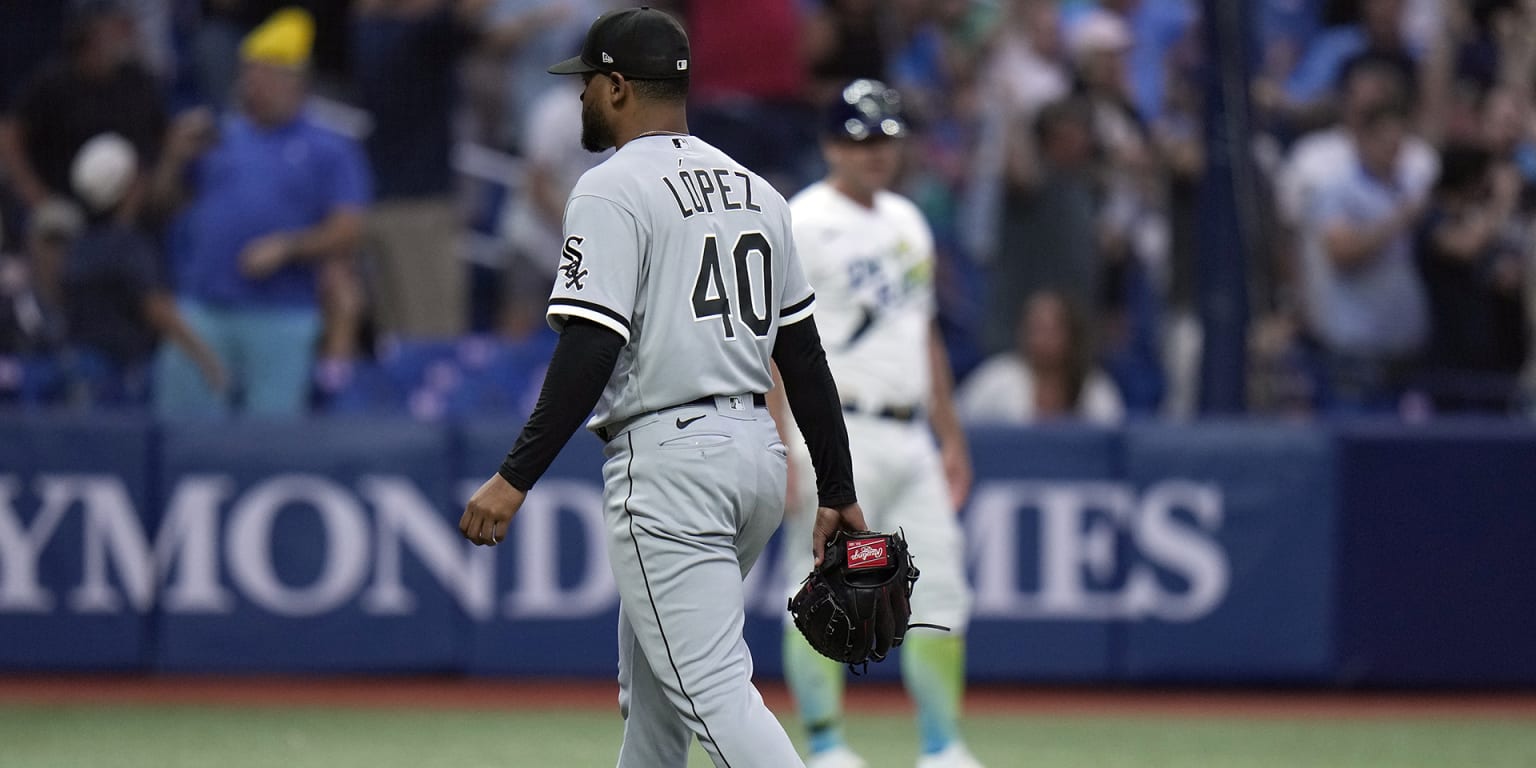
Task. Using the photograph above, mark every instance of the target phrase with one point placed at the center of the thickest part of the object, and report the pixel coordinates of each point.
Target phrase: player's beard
(596, 133)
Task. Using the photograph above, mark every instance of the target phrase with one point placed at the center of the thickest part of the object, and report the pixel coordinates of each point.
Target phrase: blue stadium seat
(443, 379)
(501, 379)
(363, 388)
(31, 381)
(407, 361)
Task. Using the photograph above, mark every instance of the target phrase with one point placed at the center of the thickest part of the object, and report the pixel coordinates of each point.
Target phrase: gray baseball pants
(692, 495)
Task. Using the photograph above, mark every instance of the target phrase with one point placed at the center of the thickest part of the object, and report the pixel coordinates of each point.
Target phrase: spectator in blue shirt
(1378, 34)
(1284, 30)
(1285, 27)
(267, 197)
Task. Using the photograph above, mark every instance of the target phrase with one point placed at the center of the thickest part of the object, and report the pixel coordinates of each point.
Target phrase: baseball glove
(856, 605)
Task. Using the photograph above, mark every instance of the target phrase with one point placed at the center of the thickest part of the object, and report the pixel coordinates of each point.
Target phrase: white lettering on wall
(408, 520)
(249, 544)
(22, 545)
(538, 549)
(1039, 550)
(1089, 533)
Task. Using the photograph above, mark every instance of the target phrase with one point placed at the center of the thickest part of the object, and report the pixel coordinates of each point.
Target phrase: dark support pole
(1228, 220)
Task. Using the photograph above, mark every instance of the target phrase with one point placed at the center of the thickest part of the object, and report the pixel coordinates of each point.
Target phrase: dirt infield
(462, 693)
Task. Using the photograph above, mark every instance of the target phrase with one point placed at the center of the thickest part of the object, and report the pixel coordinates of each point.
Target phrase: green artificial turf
(231, 737)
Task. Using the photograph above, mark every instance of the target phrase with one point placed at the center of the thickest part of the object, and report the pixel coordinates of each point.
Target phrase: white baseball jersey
(690, 257)
(873, 271)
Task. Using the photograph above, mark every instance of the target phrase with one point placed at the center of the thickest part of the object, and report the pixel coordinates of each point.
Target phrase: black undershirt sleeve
(578, 372)
(812, 396)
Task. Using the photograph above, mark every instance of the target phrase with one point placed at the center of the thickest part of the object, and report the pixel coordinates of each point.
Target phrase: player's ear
(620, 89)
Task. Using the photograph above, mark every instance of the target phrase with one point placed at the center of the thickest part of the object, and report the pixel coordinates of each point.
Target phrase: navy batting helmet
(865, 109)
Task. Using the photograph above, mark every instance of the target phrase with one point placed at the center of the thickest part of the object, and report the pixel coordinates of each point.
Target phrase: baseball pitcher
(677, 283)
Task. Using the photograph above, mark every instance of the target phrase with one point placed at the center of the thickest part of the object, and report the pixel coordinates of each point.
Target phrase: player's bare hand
(490, 511)
(829, 521)
(957, 471)
(265, 255)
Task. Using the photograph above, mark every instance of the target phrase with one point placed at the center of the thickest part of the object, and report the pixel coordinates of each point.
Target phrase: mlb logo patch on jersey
(866, 554)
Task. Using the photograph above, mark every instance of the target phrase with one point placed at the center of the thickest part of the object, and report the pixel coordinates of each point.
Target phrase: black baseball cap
(641, 43)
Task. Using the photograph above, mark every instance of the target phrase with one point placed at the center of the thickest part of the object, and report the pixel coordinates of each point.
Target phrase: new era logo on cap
(606, 58)
(682, 65)
(866, 554)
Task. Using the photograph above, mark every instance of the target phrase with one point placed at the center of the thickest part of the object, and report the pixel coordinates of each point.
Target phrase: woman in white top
(1048, 376)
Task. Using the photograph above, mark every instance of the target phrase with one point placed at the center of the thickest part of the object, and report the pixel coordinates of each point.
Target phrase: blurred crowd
(281, 206)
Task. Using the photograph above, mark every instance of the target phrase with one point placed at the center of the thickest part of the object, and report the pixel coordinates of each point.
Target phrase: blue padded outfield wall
(1218, 553)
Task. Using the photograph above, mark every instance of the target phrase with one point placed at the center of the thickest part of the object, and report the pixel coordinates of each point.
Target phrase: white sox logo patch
(866, 554)
(571, 268)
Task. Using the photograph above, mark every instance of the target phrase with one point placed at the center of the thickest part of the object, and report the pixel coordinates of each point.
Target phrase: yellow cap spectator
(284, 39)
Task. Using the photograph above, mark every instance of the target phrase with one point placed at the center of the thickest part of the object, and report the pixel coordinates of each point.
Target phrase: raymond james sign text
(1103, 550)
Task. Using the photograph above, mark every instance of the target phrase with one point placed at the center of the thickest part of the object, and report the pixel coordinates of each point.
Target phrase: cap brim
(572, 66)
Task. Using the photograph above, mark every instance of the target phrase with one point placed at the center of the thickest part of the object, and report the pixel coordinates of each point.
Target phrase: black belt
(906, 413)
(759, 400)
(609, 432)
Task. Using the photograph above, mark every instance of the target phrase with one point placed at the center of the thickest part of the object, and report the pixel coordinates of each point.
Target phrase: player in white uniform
(678, 281)
(868, 253)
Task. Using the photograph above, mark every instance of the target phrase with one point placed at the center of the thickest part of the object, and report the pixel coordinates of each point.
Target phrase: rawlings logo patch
(866, 553)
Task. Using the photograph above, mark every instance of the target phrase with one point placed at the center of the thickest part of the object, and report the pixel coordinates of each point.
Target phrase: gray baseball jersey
(690, 257)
